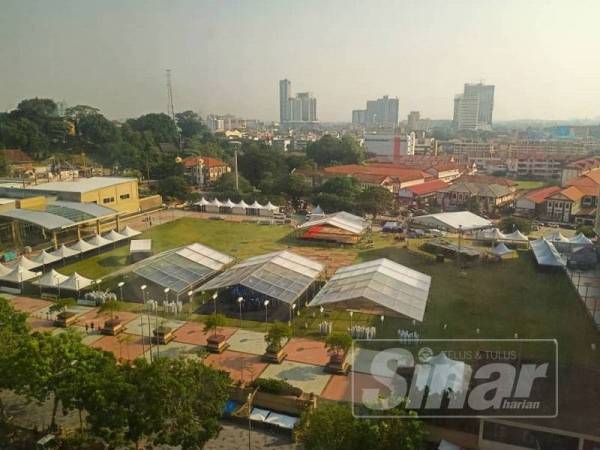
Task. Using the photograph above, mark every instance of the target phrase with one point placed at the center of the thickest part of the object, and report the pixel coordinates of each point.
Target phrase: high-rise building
(473, 108)
(380, 113)
(298, 109)
(285, 90)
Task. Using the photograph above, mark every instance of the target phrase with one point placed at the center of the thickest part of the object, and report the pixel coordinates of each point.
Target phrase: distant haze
(227, 56)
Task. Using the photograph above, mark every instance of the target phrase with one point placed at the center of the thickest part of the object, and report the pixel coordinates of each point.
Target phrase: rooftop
(539, 195)
(81, 185)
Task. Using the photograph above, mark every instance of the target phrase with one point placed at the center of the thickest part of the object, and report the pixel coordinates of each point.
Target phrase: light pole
(39, 274)
(351, 314)
(214, 297)
(292, 309)
(240, 300)
(57, 281)
(190, 299)
(249, 422)
(382, 318)
(143, 289)
(266, 303)
(166, 291)
(120, 285)
(98, 281)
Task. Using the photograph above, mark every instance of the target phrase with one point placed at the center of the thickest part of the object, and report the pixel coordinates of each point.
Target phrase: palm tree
(276, 335)
(213, 322)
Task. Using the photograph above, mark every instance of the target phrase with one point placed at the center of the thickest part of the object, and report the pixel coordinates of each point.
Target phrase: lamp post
(382, 318)
(120, 285)
(214, 297)
(190, 299)
(57, 281)
(166, 291)
(351, 314)
(292, 308)
(143, 289)
(98, 281)
(266, 303)
(249, 422)
(39, 274)
(240, 300)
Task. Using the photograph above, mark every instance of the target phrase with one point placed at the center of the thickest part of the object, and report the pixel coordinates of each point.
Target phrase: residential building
(391, 177)
(562, 205)
(390, 145)
(285, 92)
(533, 203)
(295, 111)
(224, 122)
(380, 113)
(538, 165)
(421, 195)
(473, 109)
(487, 197)
(414, 122)
(204, 170)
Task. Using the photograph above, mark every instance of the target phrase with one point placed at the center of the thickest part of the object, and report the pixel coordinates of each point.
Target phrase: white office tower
(473, 109)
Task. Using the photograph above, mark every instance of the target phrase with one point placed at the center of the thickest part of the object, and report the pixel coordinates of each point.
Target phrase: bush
(587, 230)
(512, 223)
(277, 387)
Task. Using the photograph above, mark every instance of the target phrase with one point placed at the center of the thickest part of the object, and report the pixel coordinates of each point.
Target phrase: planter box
(217, 343)
(64, 319)
(273, 357)
(112, 327)
(337, 365)
(162, 335)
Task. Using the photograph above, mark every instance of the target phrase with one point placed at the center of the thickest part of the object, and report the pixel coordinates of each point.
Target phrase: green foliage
(346, 187)
(225, 185)
(293, 187)
(190, 124)
(332, 426)
(259, 162)
(512, 223)
(111, 306)
(278, 332)
(338, 343)
(213, 322)
(332, 203)
(587, 230)
(329, 151)
(375, 200)
(174, 187)
(159, 125)
(61, 305)
(276, 386)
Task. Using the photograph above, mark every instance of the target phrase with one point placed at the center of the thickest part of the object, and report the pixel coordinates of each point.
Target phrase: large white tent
(546, 254)
(76, 282)
(453, 221)
(501, 250)
(98, 241)
(82, 246)
(63, 252)
(27, 263)
(129, 232)
(380, 287)
(113, 236)
(18, 275)
(45, 258)
(4, 270)
(580, 239)
(50, 279)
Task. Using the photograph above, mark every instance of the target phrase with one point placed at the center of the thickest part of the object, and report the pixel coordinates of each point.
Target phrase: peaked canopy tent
(64, 252)
(183, 269)
(502, 251)
(516, 237)
(491, 234)
(556, 236)
(27, 263)
(4, 270)
(76, 283)
(213, 206)
(380, 287)
(282, 276)
(113, 236)
(82, 246)
(240, 208)
(18, 275)
(98, 241)
(129, 232)
(45, 258)
(339, 227)
(580, 239)
(453, 221)
(50, 279)
(546, 254)
(201, 204)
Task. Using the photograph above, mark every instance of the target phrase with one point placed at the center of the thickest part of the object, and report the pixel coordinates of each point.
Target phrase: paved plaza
(307, 377)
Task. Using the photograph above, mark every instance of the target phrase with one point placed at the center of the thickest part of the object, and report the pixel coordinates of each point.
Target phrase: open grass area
(500, 299)
(530, 184)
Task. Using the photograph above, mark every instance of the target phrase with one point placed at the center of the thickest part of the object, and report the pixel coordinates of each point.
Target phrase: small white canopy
(580, 239)
(281, 420)
(271, 206)
(113, 236)
(242, 204)
(75, 283)
(202, 202)
(317, 211)
(51, 279)
(129, 232)
(18, 275)
(64, 252)
(516, 236)
(491, 234)
(256, 205)
(443, 374)
(501, 249)
(26, 263)
(4, 270)
(81, 246)
(556, 236)
(216, 202)
(140, 246)
(98, 241)
(45, 258)
(229, 203)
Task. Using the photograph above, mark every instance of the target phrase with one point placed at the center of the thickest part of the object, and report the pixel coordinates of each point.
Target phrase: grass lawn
(500, 299)
(530, 184)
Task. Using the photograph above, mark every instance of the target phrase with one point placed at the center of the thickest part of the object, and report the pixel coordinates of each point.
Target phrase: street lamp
(266, 303)
(98, 281)
(321, 309)
(292, 308)
(190, 299)
(121, 284)
(214, 297)
(39, 274)
(143, 288)
(351, 314)
(57, 281)
(240, 300)
(166, 291)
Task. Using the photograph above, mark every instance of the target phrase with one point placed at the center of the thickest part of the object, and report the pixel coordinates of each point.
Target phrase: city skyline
(517, 46)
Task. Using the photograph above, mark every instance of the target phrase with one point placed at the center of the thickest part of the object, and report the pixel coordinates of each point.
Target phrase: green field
(500, 299)
(530, 184)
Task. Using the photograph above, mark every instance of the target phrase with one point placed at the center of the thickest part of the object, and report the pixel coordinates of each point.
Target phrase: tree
(174, 188)
(587, 230)
(346, 187)
(512, 223)
(111, 306)
(258, 161)
(213, 322)
(338, 343)
(160, 126)
(278, 332)
(331, 203)
(293, 187)
(96, 130)
(226, 184)
(375, 200)
(330, 151)
(20, 132)
(190, 124)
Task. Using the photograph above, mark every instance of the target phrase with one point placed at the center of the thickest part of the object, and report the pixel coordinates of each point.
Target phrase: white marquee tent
(50, 279)
(546, 254)
(76, 283)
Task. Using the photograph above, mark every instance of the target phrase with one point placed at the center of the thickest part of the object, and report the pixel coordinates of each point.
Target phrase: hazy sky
(227, 55)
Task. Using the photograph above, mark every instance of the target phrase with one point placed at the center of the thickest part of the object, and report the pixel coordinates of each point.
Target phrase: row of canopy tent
(242, 204)
(50, 279)
(494, 234)
(557, 238)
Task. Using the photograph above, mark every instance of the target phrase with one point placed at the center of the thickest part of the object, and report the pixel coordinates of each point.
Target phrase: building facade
(380, 113)
(298, 110)
(473, 109)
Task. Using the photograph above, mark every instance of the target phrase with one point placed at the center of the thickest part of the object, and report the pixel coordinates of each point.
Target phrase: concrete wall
(122, 197)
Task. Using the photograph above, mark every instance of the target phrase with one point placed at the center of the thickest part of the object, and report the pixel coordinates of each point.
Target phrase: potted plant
(162, 334)
(275, 337)
(114, 325)
(338, 345)
(216, 343)
(63, 318)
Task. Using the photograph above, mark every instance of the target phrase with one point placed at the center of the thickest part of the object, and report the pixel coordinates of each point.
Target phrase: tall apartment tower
(380, 113)
(473, 109)
(285, 91)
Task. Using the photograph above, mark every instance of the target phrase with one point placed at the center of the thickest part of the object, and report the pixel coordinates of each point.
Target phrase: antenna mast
(171, 107)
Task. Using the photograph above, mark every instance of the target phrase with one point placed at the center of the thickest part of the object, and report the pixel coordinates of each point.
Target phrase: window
(124, 196)
(108, 200)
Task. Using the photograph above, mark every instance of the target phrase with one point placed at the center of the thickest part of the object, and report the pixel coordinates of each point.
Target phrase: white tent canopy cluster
(494, 234)
(546, 254)
(557, 238)
(242, 208)
(54, 279)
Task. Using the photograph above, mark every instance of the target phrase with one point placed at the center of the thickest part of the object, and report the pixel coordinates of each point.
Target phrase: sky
(226, 56)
